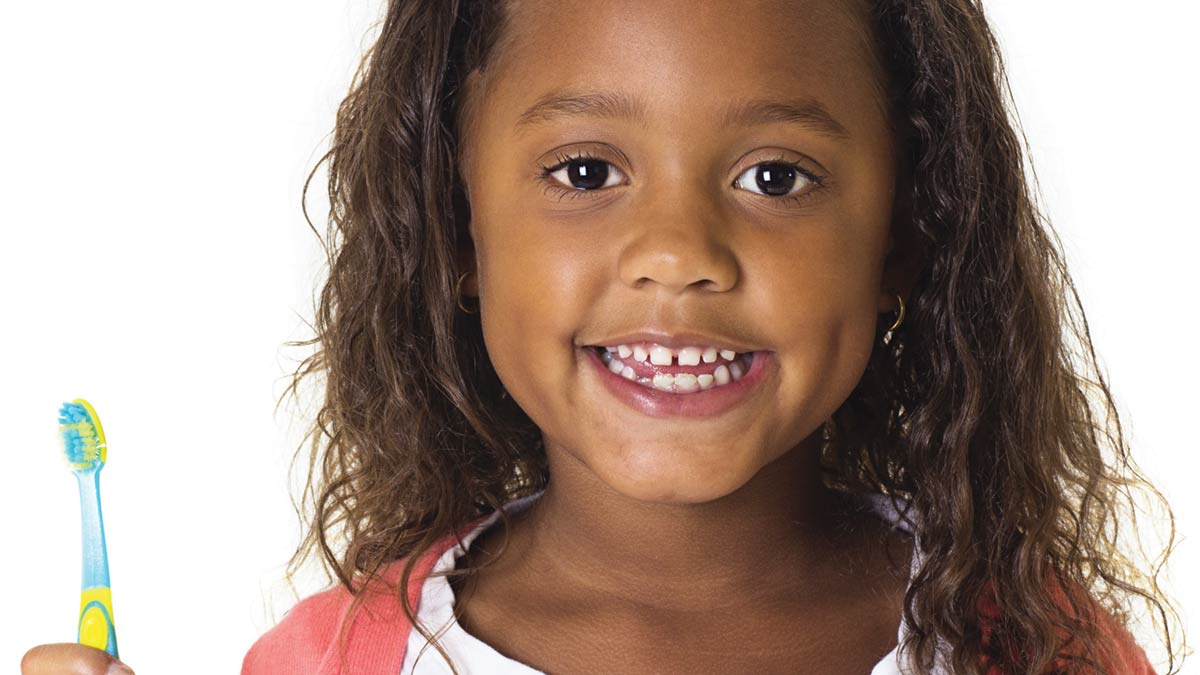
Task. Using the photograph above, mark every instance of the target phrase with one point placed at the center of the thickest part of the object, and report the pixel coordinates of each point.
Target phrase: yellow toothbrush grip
(96, 627)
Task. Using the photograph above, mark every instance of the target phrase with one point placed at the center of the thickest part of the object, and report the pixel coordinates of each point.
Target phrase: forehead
(686, 59)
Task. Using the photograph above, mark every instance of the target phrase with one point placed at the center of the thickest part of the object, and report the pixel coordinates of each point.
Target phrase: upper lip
(675, 340)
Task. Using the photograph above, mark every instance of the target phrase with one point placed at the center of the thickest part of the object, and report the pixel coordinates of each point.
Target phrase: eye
(580, 174)
(583, 174)
(777, 178)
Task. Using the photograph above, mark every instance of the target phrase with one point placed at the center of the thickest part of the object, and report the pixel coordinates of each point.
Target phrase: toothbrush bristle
(79, 439)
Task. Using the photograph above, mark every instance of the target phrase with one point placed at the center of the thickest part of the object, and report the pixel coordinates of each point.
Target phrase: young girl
(701, 337)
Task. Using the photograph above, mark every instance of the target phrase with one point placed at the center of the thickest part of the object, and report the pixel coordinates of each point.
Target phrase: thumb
(71, 658)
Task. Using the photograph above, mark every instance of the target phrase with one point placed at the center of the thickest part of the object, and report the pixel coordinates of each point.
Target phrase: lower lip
(706, 403)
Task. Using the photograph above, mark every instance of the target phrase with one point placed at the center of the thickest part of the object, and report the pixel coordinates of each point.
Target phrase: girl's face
(680, 218)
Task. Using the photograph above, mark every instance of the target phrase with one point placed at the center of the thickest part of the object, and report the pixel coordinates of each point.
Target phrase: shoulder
(306, 639)
(1130, 658)
(298, 643)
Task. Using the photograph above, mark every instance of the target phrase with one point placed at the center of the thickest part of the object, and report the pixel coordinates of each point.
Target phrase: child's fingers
(69, 658)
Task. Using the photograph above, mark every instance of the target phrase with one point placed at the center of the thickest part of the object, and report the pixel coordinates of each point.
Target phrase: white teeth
(681, 383)
(664, 381)
(735, 369)
(721, 374)
(686, 382)
(660, 356)
(689, 356)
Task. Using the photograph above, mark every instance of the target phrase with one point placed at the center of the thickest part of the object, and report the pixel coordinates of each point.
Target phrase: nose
(680, 242)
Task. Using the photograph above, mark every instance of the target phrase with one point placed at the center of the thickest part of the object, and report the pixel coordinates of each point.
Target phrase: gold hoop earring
(899, 315)
(458, 295)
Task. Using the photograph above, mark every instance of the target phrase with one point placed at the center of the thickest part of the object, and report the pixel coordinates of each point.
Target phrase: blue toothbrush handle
(96, 626)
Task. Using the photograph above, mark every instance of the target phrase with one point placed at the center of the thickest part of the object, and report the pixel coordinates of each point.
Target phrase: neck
(777, 532)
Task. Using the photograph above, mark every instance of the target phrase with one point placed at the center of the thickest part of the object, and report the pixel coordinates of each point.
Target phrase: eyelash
(553, 186)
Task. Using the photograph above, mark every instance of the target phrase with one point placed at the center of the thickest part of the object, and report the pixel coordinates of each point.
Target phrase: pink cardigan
(305, 641)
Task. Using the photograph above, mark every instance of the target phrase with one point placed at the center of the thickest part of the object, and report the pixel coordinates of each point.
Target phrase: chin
(662, 477)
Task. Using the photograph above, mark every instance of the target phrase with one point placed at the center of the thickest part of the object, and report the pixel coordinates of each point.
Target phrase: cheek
(538, 280)
(841, 350)
(535, 296)
(818, 294)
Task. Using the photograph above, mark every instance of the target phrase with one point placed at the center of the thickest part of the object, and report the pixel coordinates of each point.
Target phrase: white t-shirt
(472, 656)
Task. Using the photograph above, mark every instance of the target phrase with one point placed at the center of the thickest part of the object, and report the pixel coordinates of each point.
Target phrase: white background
(154, 259)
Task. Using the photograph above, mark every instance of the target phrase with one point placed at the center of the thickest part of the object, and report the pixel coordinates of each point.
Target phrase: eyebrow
(806, 112)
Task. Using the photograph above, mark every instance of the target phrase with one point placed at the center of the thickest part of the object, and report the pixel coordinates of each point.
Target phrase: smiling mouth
(674, 377)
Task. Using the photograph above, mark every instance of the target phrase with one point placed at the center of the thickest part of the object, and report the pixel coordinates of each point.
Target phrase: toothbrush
(83, 444)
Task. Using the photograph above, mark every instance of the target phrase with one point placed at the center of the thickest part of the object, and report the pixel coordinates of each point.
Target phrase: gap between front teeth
(663, 356)
(681, 383)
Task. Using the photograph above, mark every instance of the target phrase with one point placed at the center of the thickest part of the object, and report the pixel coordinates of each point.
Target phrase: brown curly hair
(975, 416)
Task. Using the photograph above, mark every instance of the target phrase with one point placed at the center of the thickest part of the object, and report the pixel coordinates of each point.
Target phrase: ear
(905, 256)
(466, 263)
(465, 242)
